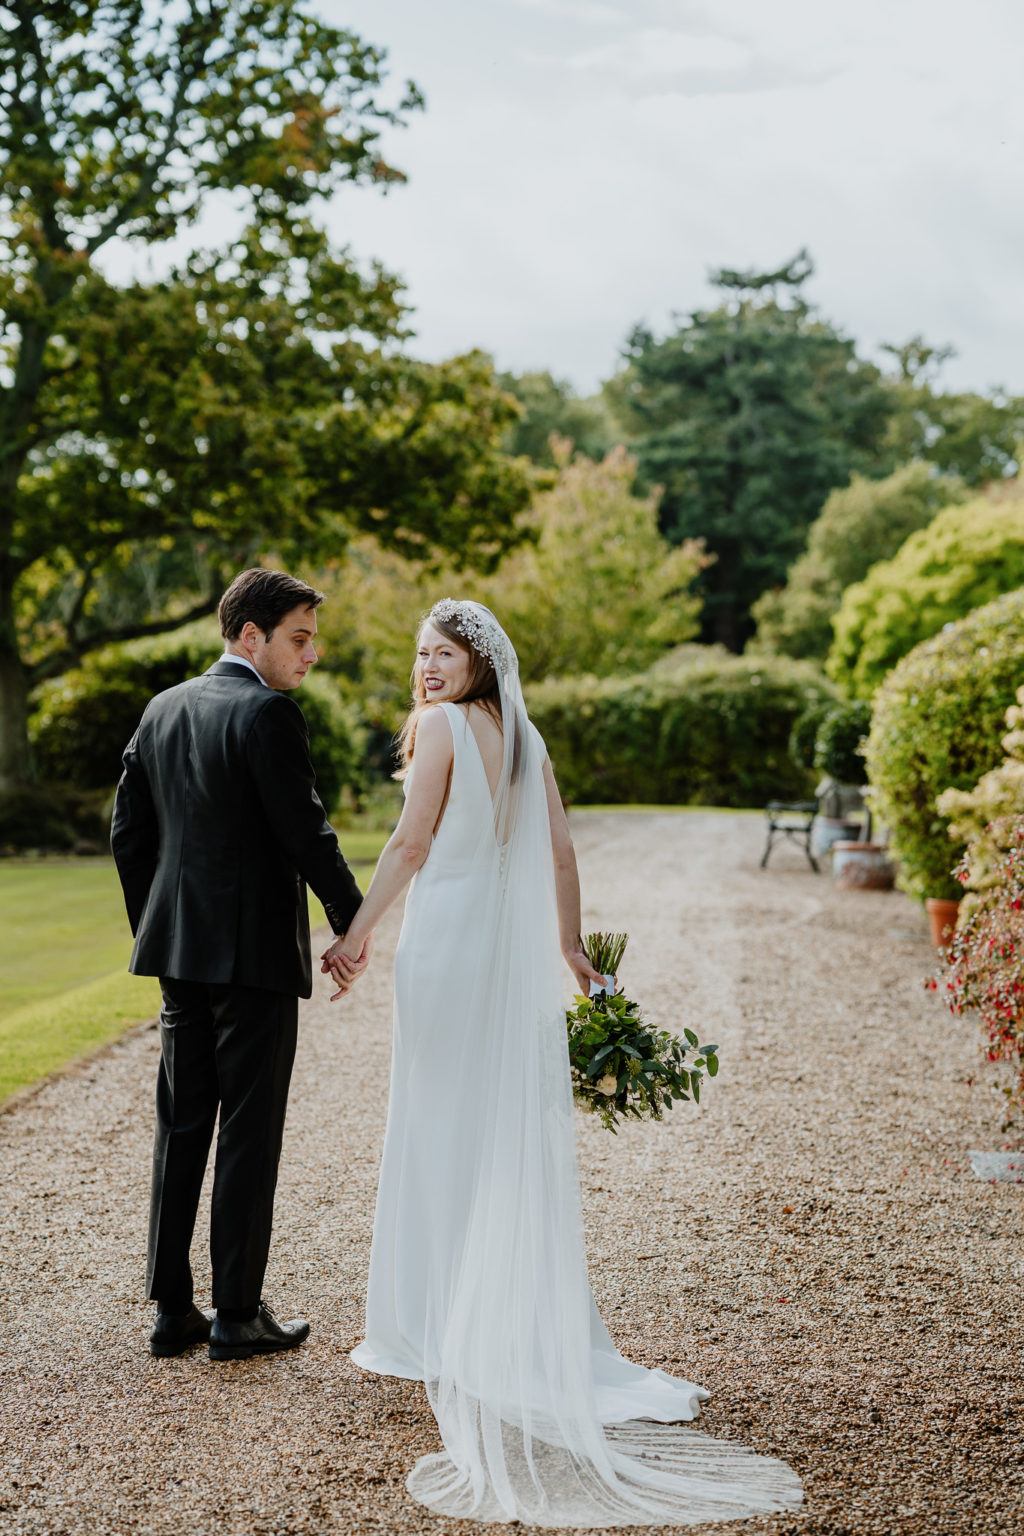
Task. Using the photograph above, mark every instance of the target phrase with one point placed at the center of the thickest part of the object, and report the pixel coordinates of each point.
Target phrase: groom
(217, 829)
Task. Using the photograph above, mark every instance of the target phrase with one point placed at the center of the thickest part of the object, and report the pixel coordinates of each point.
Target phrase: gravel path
(810, 1244)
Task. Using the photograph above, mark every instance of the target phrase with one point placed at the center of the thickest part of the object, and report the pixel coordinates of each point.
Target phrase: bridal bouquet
(621, 1067)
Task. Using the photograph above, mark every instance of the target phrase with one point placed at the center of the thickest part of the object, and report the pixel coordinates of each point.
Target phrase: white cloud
(581, 167)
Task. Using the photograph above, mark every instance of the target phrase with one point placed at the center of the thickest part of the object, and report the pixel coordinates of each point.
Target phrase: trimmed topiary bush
(967, 556)
(83, 721)
(840, 736)
(938, 724)
(706, 731)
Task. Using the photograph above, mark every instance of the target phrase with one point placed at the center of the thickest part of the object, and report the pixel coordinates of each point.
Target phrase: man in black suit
(217, 830)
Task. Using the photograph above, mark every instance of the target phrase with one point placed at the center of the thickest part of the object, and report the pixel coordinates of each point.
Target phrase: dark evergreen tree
(748, 415)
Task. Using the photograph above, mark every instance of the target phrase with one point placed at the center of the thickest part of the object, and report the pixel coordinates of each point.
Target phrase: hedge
(937, 724)
(83, 720)
(710, 731)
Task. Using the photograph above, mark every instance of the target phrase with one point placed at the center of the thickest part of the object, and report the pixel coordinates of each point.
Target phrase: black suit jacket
(217, 829)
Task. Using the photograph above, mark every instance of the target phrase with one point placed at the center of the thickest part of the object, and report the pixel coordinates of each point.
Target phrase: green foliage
(936, 724)
(551, 408)
(596, 585)
(748, 415)
(976, 816)
(838, 742)
(710, 730)
(158, 435)
(621, 1067)
(965, 557)
(54, 818)
(803, 737)
(84, 720)
(974, 437)
(859, 525)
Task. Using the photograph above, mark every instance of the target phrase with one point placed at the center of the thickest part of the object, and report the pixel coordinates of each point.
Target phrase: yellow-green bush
(859, 525)
(967, 556)
(937, 725)
(710, 730)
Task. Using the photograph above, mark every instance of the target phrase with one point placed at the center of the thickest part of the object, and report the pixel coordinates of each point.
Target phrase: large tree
(748, 414)
(155, 435)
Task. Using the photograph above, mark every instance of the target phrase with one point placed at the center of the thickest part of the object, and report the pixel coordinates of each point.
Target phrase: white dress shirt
(243, 661)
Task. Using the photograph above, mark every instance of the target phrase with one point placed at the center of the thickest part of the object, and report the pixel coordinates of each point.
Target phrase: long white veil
(522, 1421)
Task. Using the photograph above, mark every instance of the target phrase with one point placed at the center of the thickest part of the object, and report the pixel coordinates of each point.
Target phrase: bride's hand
(346, 966)
(576, 960)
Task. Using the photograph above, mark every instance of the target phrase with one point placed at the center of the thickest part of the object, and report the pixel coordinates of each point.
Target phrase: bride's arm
(409, 843)
(567, 887)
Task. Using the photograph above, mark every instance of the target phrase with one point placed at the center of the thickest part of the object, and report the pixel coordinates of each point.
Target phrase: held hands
(345, 967)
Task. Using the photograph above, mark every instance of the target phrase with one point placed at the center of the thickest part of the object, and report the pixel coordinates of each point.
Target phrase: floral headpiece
(480, 628)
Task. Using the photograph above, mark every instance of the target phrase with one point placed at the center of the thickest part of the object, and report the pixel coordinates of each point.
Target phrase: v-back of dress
(478, 1283)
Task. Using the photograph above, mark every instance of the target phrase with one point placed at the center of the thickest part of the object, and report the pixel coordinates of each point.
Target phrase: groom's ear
(249, 635)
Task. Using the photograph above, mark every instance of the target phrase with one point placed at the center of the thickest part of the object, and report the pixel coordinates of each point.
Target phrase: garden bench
(791, 819)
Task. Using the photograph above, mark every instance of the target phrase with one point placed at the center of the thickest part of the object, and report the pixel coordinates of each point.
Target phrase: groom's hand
(345, 967)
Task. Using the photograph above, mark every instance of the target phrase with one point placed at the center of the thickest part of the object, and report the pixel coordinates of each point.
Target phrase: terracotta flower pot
(942, 916)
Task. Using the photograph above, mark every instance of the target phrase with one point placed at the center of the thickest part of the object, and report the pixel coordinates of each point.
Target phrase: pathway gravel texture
(810, 1244)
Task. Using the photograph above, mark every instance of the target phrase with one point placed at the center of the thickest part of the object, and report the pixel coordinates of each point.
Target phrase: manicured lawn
(64, 950)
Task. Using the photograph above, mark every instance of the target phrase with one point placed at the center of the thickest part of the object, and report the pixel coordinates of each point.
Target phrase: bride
(478, 1282)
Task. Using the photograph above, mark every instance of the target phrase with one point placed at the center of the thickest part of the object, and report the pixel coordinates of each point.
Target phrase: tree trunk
(15, 758)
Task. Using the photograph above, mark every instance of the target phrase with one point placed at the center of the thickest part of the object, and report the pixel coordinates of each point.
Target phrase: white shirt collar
(243, 661)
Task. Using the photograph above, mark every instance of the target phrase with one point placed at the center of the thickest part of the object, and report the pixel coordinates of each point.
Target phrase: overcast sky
(582, 164)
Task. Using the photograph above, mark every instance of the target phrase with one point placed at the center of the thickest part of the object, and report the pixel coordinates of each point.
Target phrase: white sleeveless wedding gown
(478, 1283)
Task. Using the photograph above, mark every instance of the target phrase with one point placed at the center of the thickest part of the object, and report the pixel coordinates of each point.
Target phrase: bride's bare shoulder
(433, 727)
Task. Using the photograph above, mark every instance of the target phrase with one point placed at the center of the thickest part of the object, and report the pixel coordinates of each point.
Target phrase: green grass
(43, 1037)
(64, 951)
(62, 924)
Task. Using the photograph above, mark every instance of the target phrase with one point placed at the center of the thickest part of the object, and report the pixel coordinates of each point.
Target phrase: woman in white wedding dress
(478, 1282)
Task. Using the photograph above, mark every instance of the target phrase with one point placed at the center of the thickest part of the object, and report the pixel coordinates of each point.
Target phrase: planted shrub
(712, 731)
(967, 556)
(83, 721)
(55, 817)
(838, 742)
(804, 735)
(937, 724)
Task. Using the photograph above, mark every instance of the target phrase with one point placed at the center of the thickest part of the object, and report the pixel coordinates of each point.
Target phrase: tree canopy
(859, 525)
(596, 589)
(974, 437)
(552, 408)
(748, 415)
(153, 436)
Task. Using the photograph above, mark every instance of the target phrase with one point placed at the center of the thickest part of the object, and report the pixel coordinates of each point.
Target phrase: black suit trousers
(231, 1049)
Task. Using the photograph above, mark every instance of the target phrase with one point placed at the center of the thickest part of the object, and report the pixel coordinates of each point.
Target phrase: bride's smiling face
(441, 665)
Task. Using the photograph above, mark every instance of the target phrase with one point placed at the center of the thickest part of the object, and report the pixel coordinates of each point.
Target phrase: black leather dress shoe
(262, 1336)
(173, 1335)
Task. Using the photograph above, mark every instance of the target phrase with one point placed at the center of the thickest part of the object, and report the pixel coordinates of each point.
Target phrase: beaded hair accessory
(480, 628)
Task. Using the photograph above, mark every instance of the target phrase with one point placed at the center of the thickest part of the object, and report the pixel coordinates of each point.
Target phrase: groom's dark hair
(263, 597)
